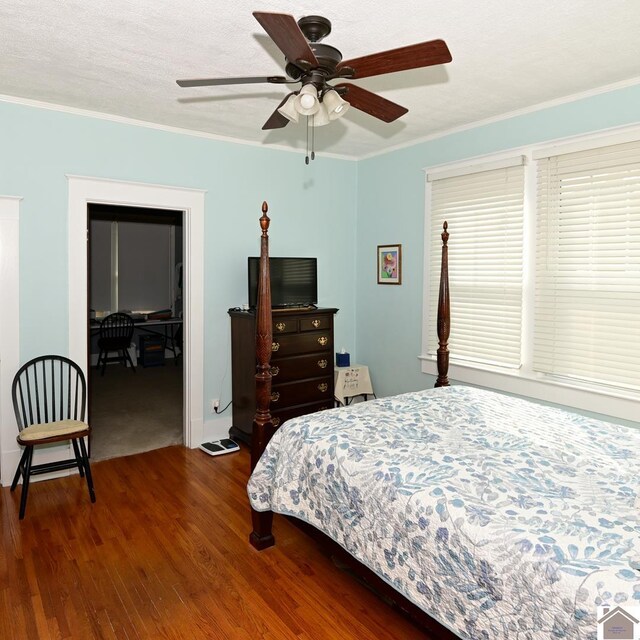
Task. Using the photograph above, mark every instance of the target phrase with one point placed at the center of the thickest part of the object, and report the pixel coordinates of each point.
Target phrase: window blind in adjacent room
(484, 209)
(144, 266)
(587, 319)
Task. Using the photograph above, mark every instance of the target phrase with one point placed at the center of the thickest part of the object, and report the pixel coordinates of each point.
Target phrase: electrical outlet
(215, 403)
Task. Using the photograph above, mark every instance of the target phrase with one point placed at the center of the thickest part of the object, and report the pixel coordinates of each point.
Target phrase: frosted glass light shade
(288, 109)
(336, 106)
(320, 117)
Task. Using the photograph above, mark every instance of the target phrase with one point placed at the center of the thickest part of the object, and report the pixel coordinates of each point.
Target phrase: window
(485, 207)
(133, 266)
(545, 297)
(587, 302)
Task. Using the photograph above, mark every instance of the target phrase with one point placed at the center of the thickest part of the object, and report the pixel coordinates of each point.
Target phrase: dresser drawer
(297, 344)
(315, 323)
(290, 393)
(281, 416)
(284, 325)
(299, 367)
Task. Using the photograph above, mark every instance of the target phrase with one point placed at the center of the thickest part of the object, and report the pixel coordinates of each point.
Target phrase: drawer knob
(275, 396)
(275, 371)
(322, 364)
(275, 346)
(316, 323)
(323, 386)
(323, 340)
(275, 422)
(281, 326)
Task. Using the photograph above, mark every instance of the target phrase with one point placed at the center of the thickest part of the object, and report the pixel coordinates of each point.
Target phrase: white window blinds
(484, 210)
(587, 323)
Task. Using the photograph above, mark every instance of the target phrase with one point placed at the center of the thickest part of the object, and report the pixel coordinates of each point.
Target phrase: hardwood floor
(164, 553)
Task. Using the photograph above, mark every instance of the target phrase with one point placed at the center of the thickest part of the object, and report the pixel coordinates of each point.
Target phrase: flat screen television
(294, 282)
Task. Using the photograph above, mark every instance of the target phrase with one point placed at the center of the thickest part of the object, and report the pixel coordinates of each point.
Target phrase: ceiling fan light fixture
(288, 109)
(306, 102)
(335, 105)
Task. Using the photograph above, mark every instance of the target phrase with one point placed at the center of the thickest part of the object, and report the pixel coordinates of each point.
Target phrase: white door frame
(9, 332)
(84, 190)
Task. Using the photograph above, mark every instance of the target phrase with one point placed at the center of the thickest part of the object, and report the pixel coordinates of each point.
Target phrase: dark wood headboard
(262, 537)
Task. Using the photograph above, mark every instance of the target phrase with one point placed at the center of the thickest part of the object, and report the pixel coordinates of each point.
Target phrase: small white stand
(352, 381)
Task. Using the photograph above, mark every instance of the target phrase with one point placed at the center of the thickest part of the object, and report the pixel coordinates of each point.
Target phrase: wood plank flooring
(164, 553)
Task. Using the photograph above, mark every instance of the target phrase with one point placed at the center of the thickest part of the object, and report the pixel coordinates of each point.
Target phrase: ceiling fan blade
(285, 32)
(413, 56)
(211, 82)
(371, 103)
(276, 119)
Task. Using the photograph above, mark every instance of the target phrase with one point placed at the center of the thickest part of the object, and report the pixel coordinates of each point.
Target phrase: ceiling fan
(314, 65)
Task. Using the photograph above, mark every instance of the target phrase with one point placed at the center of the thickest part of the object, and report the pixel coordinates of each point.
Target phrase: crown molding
(506, 116)
(28, 102)
(99, 115)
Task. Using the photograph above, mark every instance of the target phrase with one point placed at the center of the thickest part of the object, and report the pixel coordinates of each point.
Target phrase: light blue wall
(312, 209)
(391, 190)
(336, 210)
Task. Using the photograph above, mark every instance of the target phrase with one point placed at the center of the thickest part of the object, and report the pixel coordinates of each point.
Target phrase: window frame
(525, 381)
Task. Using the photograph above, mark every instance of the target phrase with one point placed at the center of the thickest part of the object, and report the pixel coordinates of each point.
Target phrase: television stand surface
(304, 307)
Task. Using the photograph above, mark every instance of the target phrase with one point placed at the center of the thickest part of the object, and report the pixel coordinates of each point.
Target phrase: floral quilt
(499, 517)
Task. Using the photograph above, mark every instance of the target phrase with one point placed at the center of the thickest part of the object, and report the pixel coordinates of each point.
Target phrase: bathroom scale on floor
(220, 447)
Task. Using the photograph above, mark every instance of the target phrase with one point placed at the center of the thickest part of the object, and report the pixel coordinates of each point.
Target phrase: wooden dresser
(301, 366)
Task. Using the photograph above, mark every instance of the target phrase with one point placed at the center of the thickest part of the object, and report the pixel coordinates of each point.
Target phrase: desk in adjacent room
(168, 328)
(352, 381)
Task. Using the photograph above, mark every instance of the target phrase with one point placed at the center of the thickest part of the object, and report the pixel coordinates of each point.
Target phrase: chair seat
(52, 430)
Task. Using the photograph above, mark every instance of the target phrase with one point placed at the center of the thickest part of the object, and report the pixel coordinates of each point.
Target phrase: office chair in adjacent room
(116, 333)
(49, 399)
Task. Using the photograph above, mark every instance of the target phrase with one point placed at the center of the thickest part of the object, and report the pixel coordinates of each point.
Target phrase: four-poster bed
(494, 516)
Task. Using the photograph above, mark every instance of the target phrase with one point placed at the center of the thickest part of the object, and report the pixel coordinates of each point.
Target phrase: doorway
(85, 190)
(135, 260)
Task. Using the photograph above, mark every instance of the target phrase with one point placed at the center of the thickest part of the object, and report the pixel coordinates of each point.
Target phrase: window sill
(593, 399)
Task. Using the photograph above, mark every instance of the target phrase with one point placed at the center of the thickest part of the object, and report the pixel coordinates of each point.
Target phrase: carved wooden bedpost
(261, 536)
(444, 314)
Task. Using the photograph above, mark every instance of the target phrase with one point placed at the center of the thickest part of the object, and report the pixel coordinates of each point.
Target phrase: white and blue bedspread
(499, 517)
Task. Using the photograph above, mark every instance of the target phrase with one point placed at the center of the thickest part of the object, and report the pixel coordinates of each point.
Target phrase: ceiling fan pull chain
(306, 159)
(313, 138)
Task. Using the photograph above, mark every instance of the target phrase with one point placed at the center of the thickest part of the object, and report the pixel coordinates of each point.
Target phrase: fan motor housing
(328, 58)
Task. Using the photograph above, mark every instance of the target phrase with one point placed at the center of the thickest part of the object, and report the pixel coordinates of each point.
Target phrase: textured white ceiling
(121, 57)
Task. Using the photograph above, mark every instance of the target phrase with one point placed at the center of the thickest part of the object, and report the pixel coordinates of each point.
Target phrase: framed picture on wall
(389, 264)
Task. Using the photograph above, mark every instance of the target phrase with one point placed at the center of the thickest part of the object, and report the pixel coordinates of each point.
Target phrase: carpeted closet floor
(135, 412)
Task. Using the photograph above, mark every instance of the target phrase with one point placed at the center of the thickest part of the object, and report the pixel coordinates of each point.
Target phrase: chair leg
(25, 482)
(99, 359)
(87, 469)
(128, 356)
(20, 469)
(104, 362)
(79, 459)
